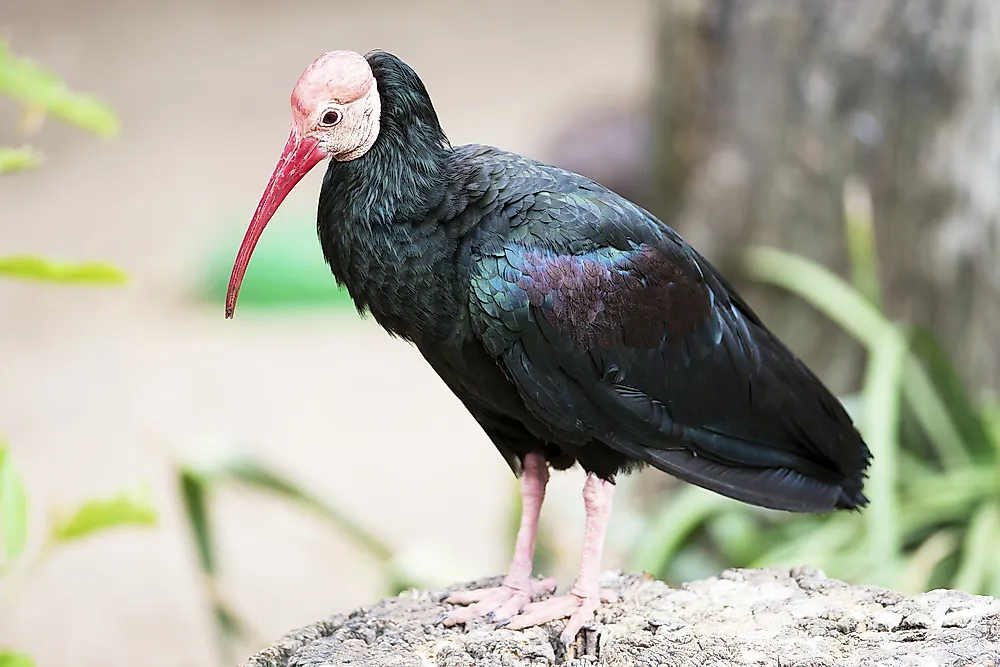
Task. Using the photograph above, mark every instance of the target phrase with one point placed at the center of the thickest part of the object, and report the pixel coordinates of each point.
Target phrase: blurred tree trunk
(763, 109)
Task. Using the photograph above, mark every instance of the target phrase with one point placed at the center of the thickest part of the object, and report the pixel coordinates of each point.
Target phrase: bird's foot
(579, 607)
(498, 604)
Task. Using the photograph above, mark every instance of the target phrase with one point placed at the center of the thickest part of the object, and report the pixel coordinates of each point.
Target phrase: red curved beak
(299, 156)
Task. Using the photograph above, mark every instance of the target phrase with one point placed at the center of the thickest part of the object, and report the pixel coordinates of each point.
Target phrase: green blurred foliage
(18, 159)
(128, 507)
(13, 509)
(29, 267)
(199, 480)
(12, 659)
(286, 273)
(41, 93)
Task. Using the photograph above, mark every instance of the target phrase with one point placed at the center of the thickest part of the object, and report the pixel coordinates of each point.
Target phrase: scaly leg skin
(586, 596)
(502, 602)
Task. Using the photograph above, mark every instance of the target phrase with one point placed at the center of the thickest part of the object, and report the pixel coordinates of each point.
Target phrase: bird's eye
(330, 117)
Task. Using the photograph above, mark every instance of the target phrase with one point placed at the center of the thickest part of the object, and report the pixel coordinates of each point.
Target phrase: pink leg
(504, 601)
(585, 597)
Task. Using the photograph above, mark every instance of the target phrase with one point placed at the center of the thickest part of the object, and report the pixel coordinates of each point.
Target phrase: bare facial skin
(336, 102)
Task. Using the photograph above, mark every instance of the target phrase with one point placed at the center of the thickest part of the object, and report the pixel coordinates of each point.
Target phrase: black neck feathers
(373, 210)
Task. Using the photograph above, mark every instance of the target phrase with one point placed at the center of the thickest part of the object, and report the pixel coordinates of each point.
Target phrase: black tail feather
(772, 488)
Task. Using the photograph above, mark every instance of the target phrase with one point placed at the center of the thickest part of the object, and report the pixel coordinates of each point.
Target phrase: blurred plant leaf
(940, 498)
(131, 507)
(39, 90)
(195, 490)
(199, 478)
(944, 378)
(18, 159)
(28, 267)
(13, 508)
(822, 538)
(881, 392)
(978, 557)
(990, 412)
(194, 495)
(10, 658)
(688, 509)
(821, 288)
(231, 628)
(242, 470)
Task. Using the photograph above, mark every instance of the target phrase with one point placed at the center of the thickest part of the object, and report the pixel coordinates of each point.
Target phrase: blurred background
(179, 489)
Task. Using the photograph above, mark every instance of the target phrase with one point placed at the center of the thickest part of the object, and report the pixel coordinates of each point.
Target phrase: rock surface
(770, 617)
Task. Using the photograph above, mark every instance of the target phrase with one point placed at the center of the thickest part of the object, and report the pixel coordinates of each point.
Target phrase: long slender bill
(298, 157)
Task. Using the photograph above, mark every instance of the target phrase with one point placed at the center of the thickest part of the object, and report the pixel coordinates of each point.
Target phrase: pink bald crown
(338, 76)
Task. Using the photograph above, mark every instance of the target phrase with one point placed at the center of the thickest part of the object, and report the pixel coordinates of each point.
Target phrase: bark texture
(768, 618)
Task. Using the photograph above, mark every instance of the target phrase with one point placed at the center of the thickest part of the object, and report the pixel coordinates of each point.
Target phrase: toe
(538, 613)
(464, 614)
(468, 597)
(507, 610)
(579, 618)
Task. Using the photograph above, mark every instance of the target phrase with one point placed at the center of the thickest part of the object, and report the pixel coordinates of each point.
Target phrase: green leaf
(40, 90)
(239, 469)
(28, 267)
(978, 556)
(933, 499)
(686, 511)
(825, 291)
(882, 402)
(194, 494)
(932, 414)
(830, 536)
(18, 159)
(131, 507)
(13, 508)
(947, 384)
(10, 658)
(990, 416)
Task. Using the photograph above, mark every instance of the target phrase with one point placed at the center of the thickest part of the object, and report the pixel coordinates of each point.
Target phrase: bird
(574, 326)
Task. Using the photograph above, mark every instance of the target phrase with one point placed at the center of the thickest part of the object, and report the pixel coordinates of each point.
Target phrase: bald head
(336, 102)
(336, 76)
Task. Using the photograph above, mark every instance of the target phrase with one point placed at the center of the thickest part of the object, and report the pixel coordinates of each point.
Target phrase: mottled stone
(766, 618)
